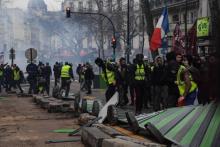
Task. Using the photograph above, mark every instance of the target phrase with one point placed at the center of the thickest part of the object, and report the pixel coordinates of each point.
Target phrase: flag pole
(186, 36)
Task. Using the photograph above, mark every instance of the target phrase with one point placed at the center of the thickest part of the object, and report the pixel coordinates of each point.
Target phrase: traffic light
(68, 12)
(113, 42)
(12, 51)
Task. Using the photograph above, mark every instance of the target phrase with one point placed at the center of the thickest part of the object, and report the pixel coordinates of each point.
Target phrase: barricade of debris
(180, 126)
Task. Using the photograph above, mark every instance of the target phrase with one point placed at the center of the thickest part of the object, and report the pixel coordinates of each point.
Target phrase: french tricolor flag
(162, 28)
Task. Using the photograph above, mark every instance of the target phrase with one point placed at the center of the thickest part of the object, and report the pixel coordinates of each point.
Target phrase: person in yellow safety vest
(109, 76)
(66, 76)
(17, 75)
(140, 74)
(186, 85)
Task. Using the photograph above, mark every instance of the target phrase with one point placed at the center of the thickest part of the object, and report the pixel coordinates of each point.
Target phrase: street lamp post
(185, 18)
(128, 32)
(12, 56)
(68, 12)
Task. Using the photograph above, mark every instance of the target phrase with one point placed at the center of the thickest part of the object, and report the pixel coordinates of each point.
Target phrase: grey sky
(53, 5)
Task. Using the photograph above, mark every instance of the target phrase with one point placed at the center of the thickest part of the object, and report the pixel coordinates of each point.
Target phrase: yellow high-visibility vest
(110, 76)
(140, 73)
(16, 75)
(181, 84)
(1, 72)
(65, 71)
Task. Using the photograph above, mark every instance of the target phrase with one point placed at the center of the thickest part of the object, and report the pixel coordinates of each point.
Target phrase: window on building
(175, 18)
(101, 5)
(158, 3)
(186, 18)
(192, 17)
(152, 3)
(119, 5)
(110, 5)
(169, 1)
(90, 5)
(80, 6)
(71, 6)
(131, 5)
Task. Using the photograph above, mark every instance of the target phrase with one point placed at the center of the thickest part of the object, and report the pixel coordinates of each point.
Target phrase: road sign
(31, 54)
(203, 27)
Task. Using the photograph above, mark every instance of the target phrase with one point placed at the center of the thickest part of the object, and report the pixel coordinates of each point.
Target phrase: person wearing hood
(140, 73)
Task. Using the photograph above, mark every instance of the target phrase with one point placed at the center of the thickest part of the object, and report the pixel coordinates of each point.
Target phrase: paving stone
(108, 130)
(24, 95)
(93, 137)
(116, 142)
(65, 107)
(84, 118)
(54, 107)
(44, 103)
(38, 99)
(144, 142)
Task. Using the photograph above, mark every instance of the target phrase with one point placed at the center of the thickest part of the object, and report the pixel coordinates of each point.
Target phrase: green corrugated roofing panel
(212, 130)
(174, 132)
(158, 118)
(191, 126)
(187, 139)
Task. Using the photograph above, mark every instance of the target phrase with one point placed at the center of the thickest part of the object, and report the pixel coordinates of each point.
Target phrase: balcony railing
(155, 4)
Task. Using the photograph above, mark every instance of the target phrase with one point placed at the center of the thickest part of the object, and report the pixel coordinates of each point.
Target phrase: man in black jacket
(32, 71)
(158, 81)
(123, 82)
(56, 72)
(89, 76)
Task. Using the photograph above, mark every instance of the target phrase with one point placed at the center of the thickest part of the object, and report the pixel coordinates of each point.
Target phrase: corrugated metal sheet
(193, 126)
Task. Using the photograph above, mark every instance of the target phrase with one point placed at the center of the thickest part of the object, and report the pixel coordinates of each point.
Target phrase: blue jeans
(190, 98)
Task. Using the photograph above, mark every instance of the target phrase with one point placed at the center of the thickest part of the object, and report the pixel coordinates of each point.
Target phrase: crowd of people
(10, 77)
(175, 81)
(178, 80)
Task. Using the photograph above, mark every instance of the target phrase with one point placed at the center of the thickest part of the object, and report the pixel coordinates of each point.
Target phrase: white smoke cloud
(52, 5)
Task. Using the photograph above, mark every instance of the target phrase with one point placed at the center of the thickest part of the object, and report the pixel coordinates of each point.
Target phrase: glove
(181, 101)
